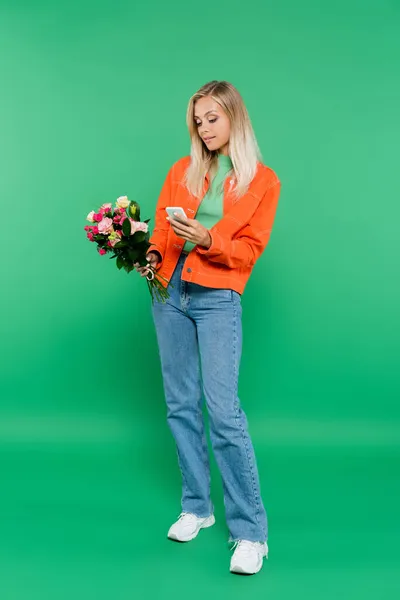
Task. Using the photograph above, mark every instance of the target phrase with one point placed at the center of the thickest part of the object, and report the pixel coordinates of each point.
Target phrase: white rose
(90, 216)
(122, 202)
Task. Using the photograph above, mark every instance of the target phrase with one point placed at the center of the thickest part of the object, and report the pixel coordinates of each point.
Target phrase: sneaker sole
(241, 571)
(207, 523)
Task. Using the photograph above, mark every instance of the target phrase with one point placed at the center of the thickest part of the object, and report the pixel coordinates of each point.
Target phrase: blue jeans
(199, 334)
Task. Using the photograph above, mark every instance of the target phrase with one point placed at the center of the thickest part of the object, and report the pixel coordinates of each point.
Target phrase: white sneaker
(188, 526)
(248, 556)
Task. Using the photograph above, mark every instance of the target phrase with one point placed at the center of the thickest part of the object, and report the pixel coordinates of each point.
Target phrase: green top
(211, 208)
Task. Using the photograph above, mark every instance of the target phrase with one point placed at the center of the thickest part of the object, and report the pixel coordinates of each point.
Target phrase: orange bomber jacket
(238, 239)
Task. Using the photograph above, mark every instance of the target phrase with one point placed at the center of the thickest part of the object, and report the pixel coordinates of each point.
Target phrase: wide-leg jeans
(199, 334)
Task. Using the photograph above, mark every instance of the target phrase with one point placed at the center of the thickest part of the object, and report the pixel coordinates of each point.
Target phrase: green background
(92, 106)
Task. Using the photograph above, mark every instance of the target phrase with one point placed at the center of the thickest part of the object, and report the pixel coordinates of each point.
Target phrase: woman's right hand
(153, 258)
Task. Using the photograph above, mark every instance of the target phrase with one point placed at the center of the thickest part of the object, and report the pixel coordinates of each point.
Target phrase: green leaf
(138, 237)
(134, 254)
(126, 227)
(121, 244)
(120, 262)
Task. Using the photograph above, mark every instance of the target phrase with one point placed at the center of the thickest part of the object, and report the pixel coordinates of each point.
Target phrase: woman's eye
(210, 121)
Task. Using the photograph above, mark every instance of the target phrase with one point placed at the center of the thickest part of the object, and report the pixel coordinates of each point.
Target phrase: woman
(230, 200)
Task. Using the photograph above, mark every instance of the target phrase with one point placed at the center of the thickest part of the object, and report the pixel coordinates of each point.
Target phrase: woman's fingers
(183, 233)
(142, 270)
(179, 225)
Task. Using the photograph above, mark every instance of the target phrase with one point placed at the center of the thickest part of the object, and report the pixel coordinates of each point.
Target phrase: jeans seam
(185, 487)
(205, 451)
(236, 405)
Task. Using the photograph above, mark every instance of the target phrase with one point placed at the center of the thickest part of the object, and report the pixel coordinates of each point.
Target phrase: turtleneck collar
(224, 160)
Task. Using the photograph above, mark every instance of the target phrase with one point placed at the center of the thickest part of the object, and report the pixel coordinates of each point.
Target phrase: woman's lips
(208, 139)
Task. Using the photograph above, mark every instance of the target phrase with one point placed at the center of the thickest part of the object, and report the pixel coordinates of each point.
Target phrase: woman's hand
(191, 230)
(153, 258)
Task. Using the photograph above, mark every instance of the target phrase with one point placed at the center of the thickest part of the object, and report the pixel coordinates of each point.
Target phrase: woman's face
(212, 122)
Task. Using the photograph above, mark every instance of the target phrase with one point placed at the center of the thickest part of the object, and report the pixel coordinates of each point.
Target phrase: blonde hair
(243, 148)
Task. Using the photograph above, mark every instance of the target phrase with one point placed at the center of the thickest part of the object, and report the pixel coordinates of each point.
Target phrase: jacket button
(189, 270)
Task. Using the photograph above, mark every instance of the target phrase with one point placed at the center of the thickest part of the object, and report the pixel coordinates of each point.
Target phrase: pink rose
(90, 236)
(95, 229)
(138, 226)
(107, 206)
(106, 225)
(102, 251)
(97, 217)
(133, 226)
(86, 228)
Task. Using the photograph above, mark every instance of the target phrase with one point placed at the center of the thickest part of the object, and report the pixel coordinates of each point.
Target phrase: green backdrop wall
(92, 106)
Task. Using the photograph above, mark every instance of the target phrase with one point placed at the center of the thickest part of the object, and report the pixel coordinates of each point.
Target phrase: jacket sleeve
(158, 238)
(248, 245)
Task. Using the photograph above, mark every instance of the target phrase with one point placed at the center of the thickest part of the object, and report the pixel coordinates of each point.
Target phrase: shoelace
(244, 547)
(184, 514)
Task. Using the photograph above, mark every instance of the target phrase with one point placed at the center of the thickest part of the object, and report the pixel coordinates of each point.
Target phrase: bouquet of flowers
(120, 231)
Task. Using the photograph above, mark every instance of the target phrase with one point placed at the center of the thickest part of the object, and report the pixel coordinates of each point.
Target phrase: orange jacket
(238, 239)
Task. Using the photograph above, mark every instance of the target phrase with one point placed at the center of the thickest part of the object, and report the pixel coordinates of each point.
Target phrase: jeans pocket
(236, 297)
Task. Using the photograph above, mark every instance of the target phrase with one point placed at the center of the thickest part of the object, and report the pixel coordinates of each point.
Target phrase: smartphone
(176, 209)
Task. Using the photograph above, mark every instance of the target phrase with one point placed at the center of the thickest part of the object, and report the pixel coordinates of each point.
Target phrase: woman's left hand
(192, 231)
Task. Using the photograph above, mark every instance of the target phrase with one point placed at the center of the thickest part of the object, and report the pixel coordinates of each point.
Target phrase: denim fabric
(199, 334)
